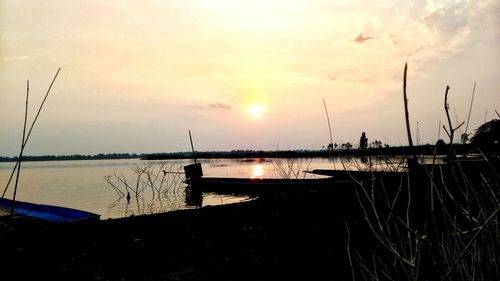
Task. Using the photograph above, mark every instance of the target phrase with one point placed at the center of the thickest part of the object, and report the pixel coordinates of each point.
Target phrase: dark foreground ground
(298, 236)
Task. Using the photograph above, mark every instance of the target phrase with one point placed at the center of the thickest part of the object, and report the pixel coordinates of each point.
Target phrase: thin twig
(349, 250)
(470, 243)
(470, 108)
(329, 126)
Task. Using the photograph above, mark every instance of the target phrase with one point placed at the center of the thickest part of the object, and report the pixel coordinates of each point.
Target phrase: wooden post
(20, 159)
(408, 131)
(192, 147)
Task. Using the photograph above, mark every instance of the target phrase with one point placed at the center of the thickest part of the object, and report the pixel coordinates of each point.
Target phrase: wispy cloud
(219, 105)
(361, 39)
(14, 58)
(216, 105)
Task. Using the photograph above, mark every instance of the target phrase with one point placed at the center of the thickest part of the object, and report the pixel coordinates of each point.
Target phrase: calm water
(87, 185)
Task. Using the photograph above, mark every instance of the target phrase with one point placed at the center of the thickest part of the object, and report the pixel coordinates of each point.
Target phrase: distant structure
(363, 142)
(418, 134)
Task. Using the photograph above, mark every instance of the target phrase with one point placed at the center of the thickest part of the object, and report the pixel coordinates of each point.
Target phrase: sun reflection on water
(257, 171)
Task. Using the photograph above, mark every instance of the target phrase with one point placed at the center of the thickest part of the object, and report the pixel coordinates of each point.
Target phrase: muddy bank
(293, 236)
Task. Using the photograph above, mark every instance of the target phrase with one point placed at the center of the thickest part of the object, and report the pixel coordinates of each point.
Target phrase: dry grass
(454, 237)
(439, 222)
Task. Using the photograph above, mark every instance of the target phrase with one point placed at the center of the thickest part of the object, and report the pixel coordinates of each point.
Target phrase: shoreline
(277, 236)
(302, 235)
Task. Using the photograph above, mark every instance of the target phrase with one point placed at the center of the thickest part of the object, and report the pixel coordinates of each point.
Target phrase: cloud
(219, 105)
(361, 39)
(216, 105)
(14, 58)
(435, 29)
(353, 76)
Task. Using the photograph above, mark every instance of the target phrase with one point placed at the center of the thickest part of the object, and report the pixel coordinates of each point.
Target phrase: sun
(255, 110)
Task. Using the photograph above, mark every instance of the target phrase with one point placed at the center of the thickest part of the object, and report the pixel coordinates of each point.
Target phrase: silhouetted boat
(260, 185)
(197, 182)
(44, 212)
(346, 175)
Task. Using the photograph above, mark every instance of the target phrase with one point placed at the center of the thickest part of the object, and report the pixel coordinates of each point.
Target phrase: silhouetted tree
(376, 144)
(487, 134)
(330, 147)
(346, 146)
(464, 138)
(440, 147)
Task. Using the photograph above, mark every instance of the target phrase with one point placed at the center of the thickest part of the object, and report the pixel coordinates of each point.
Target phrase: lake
(97, 185)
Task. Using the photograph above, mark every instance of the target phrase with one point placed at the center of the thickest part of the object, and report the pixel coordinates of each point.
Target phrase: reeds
(436, 222)
(454, 238)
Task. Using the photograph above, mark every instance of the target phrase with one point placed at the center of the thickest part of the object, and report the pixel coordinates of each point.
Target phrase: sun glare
(255, 110)
(257, 171)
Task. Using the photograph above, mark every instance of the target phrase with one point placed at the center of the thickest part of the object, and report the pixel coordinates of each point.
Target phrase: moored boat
(44, 212)
(260, 185)
(198, 182)
(345, 175)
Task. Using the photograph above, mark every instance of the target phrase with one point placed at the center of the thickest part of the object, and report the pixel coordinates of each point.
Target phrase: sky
(137, 75)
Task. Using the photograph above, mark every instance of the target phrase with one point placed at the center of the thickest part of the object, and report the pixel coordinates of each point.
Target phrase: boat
(44, 212)
(345, 175)
(260, 185)
(197, 182)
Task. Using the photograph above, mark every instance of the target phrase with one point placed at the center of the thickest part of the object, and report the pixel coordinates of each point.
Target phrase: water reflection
(257, 171)
(193, 197)
(145, 206)
(81, 184)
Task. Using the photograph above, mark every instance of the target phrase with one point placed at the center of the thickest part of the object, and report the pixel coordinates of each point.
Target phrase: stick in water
(22, 146)
(470, 108)
(328, 118)
(25, 141)
(192, 147)
(405, 100)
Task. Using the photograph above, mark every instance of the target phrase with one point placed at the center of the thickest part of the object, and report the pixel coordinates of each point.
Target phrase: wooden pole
(192, 147)
(408, 131)
(22, 147)
(446, 109)
(329, 126)
(470, 108)
(25, 141)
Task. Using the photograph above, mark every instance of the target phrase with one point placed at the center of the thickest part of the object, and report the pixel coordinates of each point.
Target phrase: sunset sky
(137, 75)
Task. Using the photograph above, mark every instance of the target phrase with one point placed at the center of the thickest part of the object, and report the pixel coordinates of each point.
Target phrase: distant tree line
(100, 156)
(374, 148)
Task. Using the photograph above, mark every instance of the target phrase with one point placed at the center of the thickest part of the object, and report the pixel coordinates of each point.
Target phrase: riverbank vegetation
(438, 221)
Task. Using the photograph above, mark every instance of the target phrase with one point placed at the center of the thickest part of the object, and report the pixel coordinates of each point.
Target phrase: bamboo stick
(25, 141)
